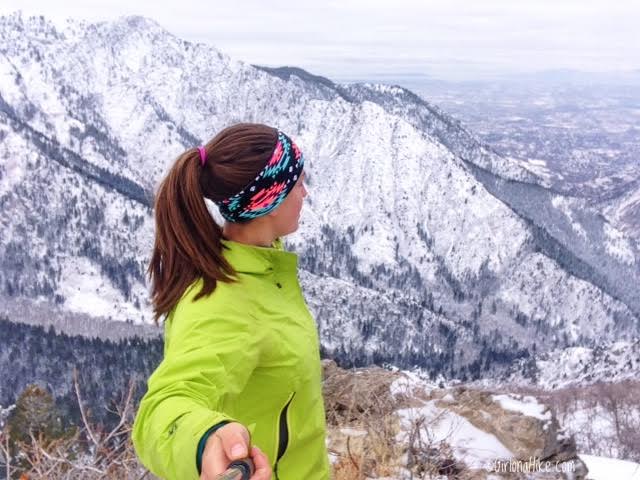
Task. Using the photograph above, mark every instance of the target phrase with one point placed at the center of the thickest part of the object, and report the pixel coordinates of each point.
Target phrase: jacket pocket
(283, 433)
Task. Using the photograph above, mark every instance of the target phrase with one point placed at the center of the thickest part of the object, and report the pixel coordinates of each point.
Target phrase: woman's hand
(230, 443)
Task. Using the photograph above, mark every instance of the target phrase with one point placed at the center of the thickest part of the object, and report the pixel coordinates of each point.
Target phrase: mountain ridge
(395, 202)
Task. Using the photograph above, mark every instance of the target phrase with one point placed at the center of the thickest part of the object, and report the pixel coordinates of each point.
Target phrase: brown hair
(187, 242)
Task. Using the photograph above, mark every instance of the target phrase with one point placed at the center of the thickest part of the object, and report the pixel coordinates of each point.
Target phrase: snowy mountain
(612, 362)
(419, 245)
(576, 131)
(623, 211)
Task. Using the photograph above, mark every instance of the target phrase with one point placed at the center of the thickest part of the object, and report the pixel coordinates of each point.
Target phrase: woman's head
(233, 158)
(269, 187)
(253, 173)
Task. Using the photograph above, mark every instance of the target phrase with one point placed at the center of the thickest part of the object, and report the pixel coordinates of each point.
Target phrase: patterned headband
(270, 187)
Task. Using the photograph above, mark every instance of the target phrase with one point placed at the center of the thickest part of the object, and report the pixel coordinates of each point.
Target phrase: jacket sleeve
(207, 358)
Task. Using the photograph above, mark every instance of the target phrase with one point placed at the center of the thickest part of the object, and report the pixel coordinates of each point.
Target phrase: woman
(241, 371)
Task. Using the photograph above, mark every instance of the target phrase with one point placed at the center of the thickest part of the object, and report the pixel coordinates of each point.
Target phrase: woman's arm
(207, 358)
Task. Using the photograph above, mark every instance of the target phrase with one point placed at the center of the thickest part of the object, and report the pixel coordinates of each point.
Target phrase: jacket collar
(246, 258)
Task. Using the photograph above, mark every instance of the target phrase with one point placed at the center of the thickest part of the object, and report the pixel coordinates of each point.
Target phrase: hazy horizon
(453, 40)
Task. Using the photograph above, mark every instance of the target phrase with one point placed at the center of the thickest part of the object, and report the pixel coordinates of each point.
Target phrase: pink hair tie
(203, 155)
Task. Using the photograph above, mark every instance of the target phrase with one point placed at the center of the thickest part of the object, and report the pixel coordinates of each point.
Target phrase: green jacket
(248, 353)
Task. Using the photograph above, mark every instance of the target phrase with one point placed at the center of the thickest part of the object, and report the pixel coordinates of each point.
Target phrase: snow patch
(407, 384)
(476, 448)
(565, 206)
(87, 290)
(602, 468)
(617, 245)
(527, 405)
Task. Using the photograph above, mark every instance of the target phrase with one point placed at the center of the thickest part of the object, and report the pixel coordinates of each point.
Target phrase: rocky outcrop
(387, 424)
(528, 428)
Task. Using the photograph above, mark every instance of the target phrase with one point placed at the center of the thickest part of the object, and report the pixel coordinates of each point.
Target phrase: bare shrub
(89, 453)
(365, 430)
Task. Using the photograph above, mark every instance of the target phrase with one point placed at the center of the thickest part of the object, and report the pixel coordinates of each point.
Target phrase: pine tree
(35, 414)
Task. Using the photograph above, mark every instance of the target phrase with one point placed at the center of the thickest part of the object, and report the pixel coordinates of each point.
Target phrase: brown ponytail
(187, 242)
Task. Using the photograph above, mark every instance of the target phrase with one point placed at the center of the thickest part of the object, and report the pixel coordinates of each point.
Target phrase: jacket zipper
(283, 434)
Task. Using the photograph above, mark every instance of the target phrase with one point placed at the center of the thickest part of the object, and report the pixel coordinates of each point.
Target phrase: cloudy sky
(358, 39)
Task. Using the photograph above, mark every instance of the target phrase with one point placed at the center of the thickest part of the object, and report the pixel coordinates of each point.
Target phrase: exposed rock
(527, 427)
(383, 423)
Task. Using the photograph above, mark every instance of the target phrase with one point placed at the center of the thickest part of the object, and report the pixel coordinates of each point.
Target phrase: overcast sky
(360, 39)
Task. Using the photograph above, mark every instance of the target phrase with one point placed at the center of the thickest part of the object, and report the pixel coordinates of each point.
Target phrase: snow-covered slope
(602, 468)
(623, 211)
(410, 220)
(611, 361)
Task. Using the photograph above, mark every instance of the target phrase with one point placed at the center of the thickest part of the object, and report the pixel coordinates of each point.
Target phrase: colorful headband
(270, 187)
